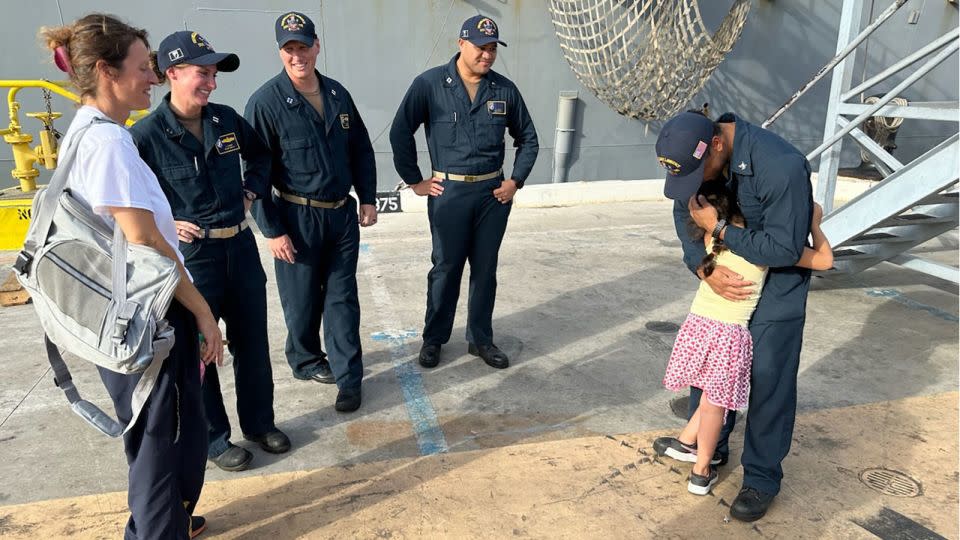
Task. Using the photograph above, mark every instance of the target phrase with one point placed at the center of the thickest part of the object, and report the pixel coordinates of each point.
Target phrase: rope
(644, 58)
(881, 127)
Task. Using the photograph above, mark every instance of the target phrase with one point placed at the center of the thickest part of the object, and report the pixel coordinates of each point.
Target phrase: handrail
(57, 87)
(24, 156)
(828, 67)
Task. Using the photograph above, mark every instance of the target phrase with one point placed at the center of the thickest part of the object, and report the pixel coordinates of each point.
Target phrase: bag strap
(94, 415)
(37, 235)
(119, 255)
(43, 217)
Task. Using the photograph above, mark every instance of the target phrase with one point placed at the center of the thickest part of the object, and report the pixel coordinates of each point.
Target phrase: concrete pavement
(463, 450)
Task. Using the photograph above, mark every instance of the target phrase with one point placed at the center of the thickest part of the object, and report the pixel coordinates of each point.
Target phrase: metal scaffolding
(916, 201)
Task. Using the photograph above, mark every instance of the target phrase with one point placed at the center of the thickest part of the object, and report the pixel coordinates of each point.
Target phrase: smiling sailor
(465, 108)
(195, 147)
(320, 150)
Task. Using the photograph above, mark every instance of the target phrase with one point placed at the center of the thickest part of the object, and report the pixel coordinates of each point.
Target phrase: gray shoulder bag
(97, 296)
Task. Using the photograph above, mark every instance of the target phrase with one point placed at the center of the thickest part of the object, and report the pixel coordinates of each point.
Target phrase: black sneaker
(701, 485)
(673, 448)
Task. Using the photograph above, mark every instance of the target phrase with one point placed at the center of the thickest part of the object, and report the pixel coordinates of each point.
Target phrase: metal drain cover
(890, 482)
(665, 327)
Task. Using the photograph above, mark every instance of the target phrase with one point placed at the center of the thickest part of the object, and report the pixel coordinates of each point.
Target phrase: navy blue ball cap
(681, 147)
(295, 26)
(480, 30)
(186, 47)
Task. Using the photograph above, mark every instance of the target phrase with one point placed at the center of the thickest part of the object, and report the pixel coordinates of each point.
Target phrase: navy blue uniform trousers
(467, 223)
(322, 284)
(167, 448)
(228, 274)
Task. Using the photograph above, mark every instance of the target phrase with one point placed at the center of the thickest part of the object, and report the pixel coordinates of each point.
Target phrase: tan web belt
(224, 232)
(467, 177)
(296, 199)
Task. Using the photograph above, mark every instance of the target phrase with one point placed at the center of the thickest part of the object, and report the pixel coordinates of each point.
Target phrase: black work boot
(325, 375)
(275, 441)
(348, 400)
(233, 459)
(429, 355)
(750, 505)
(491, 354)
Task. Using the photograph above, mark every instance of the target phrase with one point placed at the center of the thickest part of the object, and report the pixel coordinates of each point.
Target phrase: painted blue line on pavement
(423, 418)
(387, 336)
(430, 436)
(898, 297)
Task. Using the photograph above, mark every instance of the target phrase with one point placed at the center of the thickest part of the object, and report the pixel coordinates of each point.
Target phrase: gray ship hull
(376, 47)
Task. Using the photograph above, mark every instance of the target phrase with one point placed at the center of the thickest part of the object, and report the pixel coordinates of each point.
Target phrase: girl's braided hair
(720, 197)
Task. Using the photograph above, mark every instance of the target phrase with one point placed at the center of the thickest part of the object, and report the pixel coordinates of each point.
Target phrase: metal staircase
(916, 201)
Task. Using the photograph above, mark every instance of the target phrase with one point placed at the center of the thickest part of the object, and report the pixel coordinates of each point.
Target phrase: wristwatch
(718, 229)
(249, 195)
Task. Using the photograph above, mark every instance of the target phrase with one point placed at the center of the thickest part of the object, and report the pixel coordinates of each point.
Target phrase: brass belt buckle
(469, 178)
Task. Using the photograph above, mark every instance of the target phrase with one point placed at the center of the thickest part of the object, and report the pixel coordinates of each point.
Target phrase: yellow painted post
(24, 157)
(46, 153)
(23, 160)
(15, 203)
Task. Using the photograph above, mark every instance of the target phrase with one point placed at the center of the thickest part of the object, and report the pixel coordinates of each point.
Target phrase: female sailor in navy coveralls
(195, 147)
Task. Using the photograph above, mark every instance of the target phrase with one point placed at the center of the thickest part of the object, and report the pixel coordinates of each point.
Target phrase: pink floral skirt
(715, 357)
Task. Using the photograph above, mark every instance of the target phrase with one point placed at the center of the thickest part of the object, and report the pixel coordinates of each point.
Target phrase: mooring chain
(47, 99)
